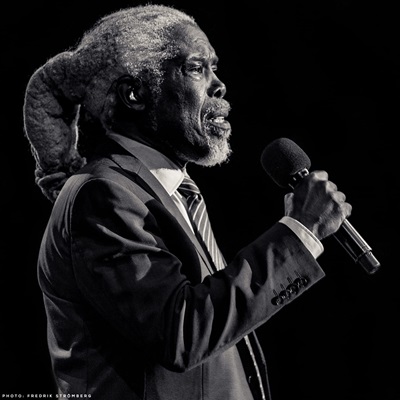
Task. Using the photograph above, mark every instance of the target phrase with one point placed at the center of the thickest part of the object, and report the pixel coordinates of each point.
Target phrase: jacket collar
(132, 163)
(166, 171)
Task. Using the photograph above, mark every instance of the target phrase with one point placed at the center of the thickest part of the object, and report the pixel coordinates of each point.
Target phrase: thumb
(288, 203)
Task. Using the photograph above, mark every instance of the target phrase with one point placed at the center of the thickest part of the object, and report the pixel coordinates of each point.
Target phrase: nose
(217, 89)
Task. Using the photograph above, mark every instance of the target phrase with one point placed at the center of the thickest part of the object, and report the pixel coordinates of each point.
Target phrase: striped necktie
(201, 223)
(202, 226)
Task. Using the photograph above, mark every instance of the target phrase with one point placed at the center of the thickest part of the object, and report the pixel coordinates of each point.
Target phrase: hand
(317, 204)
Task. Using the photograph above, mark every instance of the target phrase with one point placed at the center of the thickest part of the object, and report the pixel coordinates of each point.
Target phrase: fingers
(288, 203)
(338, 196)
(318, 204)
(346, 209)
(331, 188)
(319, 174)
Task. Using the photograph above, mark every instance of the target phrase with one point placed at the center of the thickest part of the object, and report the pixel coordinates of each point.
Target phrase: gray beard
(219, 153)
(212, 151)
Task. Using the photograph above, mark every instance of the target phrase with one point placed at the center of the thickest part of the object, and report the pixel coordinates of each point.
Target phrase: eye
(196, 69)
(199, 68)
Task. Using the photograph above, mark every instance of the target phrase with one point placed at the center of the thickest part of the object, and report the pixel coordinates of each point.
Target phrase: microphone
(286, 164)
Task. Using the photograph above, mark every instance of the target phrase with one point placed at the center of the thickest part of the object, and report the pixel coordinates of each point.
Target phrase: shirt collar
(166, 171)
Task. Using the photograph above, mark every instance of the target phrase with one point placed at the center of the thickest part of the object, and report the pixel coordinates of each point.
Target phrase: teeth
(218, 119)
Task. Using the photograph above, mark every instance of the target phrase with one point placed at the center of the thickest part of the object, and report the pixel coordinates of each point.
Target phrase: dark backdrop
(326, 75)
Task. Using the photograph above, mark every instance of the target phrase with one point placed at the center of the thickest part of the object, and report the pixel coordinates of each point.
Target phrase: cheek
(193, 105)
(193, 110)
(182, 103)
(188, 109)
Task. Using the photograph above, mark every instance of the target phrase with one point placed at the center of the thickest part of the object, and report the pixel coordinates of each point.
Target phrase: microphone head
(283, 158)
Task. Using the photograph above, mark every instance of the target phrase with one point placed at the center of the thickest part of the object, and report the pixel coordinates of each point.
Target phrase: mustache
(216, 108)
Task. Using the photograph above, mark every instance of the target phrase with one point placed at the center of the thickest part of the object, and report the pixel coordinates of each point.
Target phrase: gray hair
(133, 41)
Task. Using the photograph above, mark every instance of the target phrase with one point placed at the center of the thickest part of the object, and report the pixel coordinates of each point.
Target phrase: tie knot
(188, 187)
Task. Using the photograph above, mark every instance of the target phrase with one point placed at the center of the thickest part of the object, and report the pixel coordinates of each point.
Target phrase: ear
(131, 92)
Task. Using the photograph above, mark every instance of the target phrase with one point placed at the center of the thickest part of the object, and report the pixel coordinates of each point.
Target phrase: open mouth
(219, 126)
(214, 118)
(218, 122)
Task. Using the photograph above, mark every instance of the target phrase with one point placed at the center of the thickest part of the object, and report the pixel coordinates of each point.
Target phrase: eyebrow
(196, 57)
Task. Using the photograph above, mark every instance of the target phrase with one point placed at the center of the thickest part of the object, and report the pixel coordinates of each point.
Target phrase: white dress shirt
(171, 176)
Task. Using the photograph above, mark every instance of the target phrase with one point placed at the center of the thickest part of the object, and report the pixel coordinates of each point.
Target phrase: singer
(141, 304)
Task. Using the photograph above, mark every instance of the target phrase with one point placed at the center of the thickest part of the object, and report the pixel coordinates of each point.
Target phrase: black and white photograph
(200, 200)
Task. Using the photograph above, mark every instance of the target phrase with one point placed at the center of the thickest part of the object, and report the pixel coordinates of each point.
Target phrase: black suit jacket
(133, 312)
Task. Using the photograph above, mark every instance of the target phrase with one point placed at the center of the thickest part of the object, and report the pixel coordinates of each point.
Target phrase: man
(140, 303)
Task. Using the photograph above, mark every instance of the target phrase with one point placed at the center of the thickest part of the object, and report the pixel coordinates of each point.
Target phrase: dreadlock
(79, 83)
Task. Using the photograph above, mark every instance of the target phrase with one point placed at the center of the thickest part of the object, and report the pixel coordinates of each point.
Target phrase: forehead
(192, 42)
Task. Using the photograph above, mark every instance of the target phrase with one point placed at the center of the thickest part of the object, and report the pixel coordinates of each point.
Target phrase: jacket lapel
(133, 166)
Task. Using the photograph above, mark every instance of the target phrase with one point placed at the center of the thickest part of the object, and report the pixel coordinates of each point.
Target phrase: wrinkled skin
(317, 204)
(188, 114)
(186, 121)
(191, 115)
(191, 98)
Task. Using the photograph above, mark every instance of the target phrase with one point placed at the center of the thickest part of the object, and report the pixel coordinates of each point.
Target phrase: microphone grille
(283, 158)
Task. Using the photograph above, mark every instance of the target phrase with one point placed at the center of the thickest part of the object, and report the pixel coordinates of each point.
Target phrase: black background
(323, 73)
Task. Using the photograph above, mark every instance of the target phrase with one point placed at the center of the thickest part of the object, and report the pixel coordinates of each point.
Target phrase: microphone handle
(347, 236)
(356, 247)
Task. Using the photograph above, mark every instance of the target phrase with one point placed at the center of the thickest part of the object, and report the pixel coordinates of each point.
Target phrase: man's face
(190, 111)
